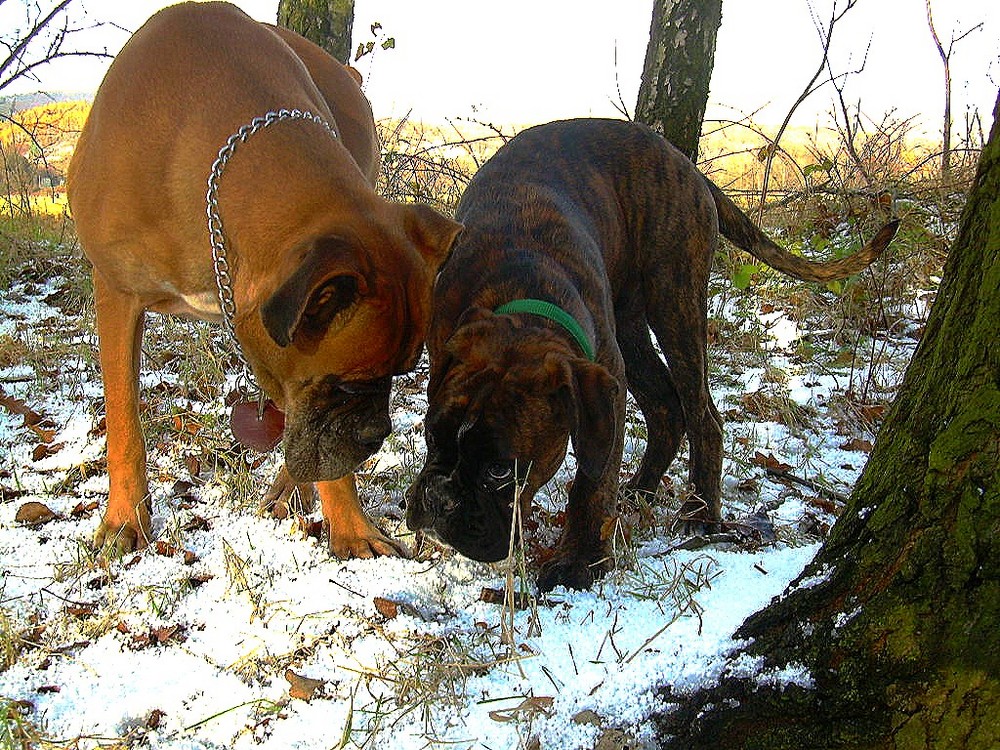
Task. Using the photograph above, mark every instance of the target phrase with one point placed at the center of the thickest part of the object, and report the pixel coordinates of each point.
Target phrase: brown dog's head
(325, 343)
(504, 402)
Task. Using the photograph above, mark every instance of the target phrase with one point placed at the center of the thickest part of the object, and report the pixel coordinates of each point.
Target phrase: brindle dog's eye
(501, 471)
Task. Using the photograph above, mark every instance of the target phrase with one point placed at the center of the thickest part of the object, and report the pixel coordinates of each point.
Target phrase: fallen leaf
(198, 580)
(80, 611)
(7, 494)
(165, 549)
(529, 707)
(857, 444)
(770, 463)
(386, 607)
(155, 718)
(197, 523)
(34, 514)
(44, 449)
(522, 600)
(303, 688)
(82, 509)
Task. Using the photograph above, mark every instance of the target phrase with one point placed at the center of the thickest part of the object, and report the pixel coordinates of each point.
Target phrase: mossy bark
(680, 55)
(898, 617)
(328, 23)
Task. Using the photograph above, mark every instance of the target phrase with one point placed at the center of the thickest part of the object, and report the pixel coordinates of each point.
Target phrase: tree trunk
(327, 23)
(894, 628)
(680, 55)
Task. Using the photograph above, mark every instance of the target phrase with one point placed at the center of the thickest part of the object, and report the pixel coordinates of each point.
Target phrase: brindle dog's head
(504, 402)
(325, 343)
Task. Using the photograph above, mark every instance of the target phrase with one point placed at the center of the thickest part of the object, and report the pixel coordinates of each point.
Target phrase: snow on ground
(239, 631)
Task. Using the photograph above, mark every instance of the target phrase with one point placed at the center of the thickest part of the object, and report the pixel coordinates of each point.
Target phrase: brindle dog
(607, 231)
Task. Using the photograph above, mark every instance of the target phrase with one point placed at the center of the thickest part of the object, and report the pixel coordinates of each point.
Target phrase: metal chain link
(217, 237)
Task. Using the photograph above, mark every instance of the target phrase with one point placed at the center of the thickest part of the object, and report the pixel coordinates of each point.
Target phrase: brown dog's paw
(286, 497)
(367, 545)
(572, 572)
(120, 538)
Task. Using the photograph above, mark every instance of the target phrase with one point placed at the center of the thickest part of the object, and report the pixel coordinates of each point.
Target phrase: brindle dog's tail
(737, 227)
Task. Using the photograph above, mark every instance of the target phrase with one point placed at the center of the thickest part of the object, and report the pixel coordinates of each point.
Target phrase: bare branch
(45, 38)
(826, 39)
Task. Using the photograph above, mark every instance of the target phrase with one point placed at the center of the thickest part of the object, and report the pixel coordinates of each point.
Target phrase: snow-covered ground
(239, 631)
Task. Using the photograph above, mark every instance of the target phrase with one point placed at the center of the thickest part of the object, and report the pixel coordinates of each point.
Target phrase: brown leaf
(167, 633)
(165, 549)
(857, 444)
(48, 689)
(45, 430)
(7, 494)
(197, 523)
(44, 449)
(312, 529)
(80, 611)
(155, 718)
(770, 463)
(522, 600)
(34, 514)
(303, 688)
(386, 607)
(529, 707)
(199, 579)
(16, 406)
(82, 509)
(193, 464)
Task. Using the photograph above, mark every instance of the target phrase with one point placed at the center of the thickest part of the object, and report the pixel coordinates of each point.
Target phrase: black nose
(427, 501)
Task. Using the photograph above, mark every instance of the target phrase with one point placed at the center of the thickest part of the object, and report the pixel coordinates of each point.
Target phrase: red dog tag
(258, 430)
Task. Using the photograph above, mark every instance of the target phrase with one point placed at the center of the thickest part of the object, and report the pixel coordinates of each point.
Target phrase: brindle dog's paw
(695, 519)
(572, 572)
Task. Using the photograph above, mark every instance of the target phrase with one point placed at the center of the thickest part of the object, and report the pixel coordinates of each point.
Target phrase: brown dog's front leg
(351, 533)
(126, 524)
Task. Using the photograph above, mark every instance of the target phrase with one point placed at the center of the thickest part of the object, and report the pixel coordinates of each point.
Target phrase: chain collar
(217, 237)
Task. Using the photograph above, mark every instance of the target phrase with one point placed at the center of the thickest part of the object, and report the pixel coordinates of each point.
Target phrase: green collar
(553, 313)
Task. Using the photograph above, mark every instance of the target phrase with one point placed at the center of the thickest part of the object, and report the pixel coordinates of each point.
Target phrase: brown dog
(331, 284)
(579, 237)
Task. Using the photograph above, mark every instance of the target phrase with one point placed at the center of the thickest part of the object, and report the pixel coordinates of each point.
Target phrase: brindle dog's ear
(591, 392)
(432, 233)
(329, 279)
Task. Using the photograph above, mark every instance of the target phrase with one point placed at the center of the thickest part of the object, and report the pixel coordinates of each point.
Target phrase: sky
(530, 61)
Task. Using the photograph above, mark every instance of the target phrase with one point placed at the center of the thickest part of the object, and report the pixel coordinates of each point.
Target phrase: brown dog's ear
(591, 392)
(432, 233)
(328, 280)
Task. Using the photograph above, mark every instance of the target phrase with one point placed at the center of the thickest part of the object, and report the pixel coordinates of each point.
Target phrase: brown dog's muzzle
(335, 427)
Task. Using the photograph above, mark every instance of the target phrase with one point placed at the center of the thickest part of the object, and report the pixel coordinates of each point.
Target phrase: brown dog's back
(167, 105)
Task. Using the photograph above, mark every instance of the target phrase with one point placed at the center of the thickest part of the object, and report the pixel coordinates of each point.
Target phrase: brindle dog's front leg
(584, 551)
